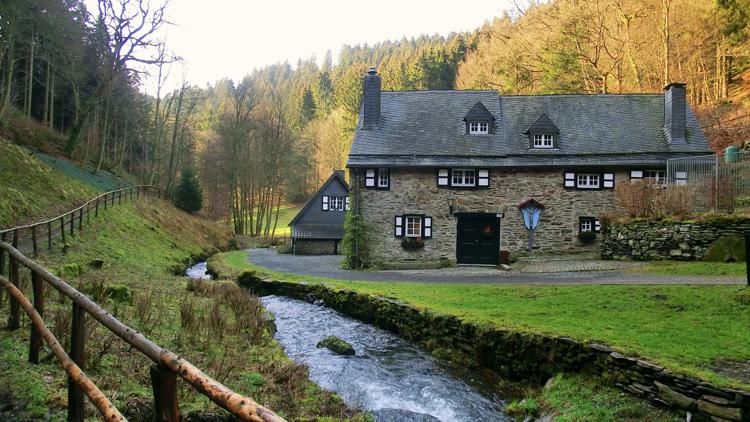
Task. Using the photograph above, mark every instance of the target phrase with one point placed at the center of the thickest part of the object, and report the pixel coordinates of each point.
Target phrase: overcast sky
(219, 38)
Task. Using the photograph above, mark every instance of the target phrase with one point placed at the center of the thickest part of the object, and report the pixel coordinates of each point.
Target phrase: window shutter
(609, 180)
(570, 180)
(347, 203)
(597, 226)
(399, 226)
(370, 178)
(325, 202)
(443, 177)
(483, 178)
(427, 227)
(636, 174)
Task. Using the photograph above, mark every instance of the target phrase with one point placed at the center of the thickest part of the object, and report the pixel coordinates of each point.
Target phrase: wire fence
(719, 183)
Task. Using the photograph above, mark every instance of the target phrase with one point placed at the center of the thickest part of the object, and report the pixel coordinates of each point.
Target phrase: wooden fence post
(113, 199)
(130, 190)
(72, 222)
(105, 202)
(77, 338)
(49, 235)
(14, 320)
(62, 229)
(164, 384)
(36, 337)
(80, 219)
(2, 254)
(96, 208)
(88, 213)
(119, 198)
(33, 241)
(137, 192)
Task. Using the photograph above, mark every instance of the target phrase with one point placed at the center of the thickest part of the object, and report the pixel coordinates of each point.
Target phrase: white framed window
(413, 226)
(588, 224)
(657, 176)
(544, 140)
(680, 178)
(337, 203)
(379, 178)
(383, 178)
(587, 181)
(463, 177)
(479, 128)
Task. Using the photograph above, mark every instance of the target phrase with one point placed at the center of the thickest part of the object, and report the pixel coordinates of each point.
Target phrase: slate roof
(426, 128)
(479, 112)
(542, 125)
(331, 229)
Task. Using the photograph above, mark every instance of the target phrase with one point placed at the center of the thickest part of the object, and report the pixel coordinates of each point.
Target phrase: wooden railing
(32, 234)
(167, 365)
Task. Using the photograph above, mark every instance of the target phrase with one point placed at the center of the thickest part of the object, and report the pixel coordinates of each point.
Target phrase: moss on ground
(217, 326)
(683, 327)
(30, 188)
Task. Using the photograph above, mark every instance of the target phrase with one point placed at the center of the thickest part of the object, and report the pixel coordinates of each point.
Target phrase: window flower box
(412, 243)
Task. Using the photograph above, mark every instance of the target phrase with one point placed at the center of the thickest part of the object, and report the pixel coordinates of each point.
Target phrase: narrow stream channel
(388, 376)
(199, 270)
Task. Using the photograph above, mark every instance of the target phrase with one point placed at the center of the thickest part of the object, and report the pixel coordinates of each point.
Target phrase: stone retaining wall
(643, 240)
(521, 355)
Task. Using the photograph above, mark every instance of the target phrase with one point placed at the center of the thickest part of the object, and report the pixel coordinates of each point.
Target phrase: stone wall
(658, 240)
(521, 355)
(315, 247)
(415, 191)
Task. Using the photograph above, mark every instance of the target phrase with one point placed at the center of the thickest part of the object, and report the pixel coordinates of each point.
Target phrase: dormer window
(479, 128)
(543, 134)
(479, 120)
(544, 140)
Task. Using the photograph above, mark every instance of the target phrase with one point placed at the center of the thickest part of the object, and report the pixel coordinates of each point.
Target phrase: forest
(273, 137)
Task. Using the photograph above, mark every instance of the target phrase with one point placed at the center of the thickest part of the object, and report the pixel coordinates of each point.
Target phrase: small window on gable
(479, 128)
(544, 140)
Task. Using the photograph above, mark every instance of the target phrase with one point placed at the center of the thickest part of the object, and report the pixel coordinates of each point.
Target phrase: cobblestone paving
(546, 271)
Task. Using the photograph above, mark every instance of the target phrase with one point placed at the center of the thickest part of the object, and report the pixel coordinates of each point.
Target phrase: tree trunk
(666, 6)
(30, 75)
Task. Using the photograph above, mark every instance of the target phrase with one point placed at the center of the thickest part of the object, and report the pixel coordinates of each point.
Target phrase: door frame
(479, 216)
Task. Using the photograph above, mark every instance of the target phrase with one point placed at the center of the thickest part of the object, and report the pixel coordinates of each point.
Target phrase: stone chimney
(675, 111)
(371, 100)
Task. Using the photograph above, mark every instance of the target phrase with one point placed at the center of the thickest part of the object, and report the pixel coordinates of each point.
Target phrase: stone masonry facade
(415, 191)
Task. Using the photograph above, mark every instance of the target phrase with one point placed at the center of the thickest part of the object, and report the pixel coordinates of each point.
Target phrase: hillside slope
(30, 189)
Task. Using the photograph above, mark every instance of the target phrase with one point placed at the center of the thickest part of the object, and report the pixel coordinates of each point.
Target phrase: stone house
(319, 226)
(438, 176)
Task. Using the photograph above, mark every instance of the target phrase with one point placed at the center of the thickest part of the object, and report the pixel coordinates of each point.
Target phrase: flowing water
(388, 376)
(199, 270)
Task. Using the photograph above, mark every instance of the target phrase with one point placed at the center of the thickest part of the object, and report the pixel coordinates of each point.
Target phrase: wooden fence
(34, 235)
(167, 365)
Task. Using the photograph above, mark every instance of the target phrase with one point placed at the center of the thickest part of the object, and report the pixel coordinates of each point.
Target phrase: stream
(388, 376)
(199, 270)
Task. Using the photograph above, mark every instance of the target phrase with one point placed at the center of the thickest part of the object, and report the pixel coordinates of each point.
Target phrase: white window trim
(408, 229)
(479, 128)
(336, 203)
(464, 178)
(588, 177)
(540, 141)
(384, 178)
(587, 225)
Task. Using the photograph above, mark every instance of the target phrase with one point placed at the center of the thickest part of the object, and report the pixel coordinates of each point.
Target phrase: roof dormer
(543, 134)
(479, 120)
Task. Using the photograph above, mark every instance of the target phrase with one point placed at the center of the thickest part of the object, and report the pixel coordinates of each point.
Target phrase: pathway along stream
(388, 376)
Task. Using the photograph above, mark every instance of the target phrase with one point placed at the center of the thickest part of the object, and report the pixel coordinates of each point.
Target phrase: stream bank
(518, 355)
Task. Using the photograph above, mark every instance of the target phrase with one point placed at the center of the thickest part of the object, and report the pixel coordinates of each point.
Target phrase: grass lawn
(683, 327)
(694, 268)
(286, 213)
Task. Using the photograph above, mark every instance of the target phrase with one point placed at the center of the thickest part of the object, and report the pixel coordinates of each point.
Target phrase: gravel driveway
(584, 272)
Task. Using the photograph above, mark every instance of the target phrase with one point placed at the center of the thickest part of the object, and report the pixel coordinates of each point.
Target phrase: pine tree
(188, 195)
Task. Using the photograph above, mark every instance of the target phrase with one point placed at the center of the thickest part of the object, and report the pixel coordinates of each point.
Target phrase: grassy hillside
(217, 326)
(30, 188)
